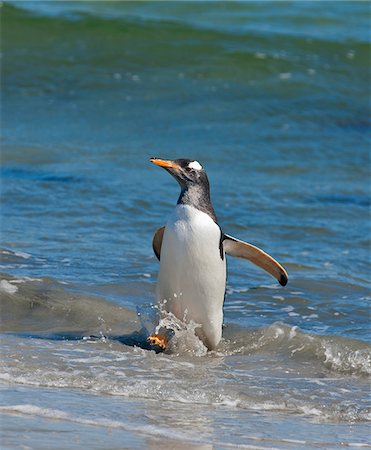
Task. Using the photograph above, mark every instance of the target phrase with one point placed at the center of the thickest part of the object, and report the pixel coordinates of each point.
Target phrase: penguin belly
(192, 276)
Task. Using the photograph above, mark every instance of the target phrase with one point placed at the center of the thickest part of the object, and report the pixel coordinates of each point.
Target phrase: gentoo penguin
(191, 249)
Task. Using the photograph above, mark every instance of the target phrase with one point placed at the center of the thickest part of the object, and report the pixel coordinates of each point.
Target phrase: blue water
(273, 99)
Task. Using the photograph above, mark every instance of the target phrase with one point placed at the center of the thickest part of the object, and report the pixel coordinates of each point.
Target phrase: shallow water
(272, 99)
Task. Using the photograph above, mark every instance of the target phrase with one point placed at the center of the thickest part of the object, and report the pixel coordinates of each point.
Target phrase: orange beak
(167, 164)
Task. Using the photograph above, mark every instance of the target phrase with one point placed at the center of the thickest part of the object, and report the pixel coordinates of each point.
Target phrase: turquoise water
(273, 100)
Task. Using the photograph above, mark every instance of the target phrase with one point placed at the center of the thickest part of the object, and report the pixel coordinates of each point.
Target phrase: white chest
(192, 274)
(192, 230)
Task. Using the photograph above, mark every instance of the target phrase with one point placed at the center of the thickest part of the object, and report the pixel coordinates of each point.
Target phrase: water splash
(183, 333)
(335, 353)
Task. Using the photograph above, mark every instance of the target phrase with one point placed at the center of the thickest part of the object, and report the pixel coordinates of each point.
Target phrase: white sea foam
(56, 414)
(203, 438)
(23, 255)
(336, 354)
(270, 286)
(260, 55)
(25, 280)
(230, 290)
(7, 287)
(347, 360)
(162, 387)
(285, 75)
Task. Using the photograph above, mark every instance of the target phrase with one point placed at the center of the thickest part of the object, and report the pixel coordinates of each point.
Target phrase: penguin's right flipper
(240, 249)
(157, 242)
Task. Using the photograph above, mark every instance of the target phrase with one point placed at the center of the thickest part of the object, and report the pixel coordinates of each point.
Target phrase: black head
(187, 172)
(191, 176)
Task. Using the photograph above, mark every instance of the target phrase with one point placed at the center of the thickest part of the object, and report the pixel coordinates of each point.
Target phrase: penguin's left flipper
(240, 249)
(157, 242)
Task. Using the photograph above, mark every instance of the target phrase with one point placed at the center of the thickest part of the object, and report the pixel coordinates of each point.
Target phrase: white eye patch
(195, 165)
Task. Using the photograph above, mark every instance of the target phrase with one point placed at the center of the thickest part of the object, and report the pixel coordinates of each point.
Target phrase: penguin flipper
(240, 249)
(157, 242)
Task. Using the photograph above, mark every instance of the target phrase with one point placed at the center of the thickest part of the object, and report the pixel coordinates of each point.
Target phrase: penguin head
(194, 184)
(187, 172)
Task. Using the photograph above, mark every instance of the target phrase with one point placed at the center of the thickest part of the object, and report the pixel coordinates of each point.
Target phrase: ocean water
(273, 100)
